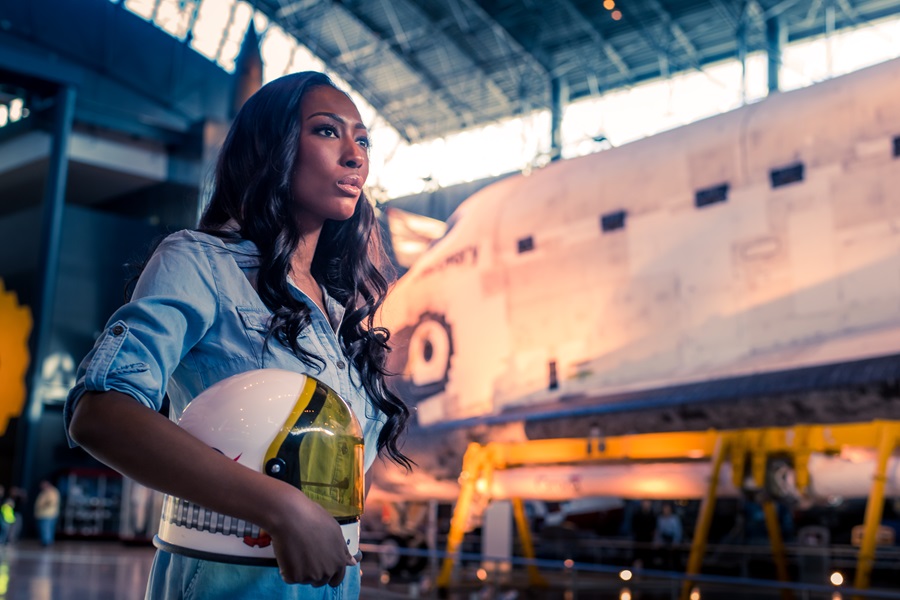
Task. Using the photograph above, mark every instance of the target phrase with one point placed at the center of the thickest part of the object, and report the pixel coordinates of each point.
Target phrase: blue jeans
(178, 577)
(47, 530)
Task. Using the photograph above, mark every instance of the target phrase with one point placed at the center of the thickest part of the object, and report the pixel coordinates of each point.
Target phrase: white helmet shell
(287, 425)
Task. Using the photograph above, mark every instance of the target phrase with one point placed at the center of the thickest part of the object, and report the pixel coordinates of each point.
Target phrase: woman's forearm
(149, 448)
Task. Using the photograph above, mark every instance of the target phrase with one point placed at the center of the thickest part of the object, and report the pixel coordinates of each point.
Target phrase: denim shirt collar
(246, 255)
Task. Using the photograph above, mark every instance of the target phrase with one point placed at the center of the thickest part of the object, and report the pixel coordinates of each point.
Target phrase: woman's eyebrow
(336, 117)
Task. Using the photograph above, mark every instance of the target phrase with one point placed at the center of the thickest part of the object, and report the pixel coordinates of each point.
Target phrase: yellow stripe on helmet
(303, 399)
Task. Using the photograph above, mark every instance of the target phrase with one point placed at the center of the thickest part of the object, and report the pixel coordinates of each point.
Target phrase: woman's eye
(364, 142)
(327, 131)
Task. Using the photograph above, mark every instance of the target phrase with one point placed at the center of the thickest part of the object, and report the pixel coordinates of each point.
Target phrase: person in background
(643, 530)
(668, 534)
(4, 528)
(285, 270)
(46, 512)
(19, 501)
(7, 520)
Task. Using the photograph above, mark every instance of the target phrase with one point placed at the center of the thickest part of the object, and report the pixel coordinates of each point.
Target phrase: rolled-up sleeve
(173, 306)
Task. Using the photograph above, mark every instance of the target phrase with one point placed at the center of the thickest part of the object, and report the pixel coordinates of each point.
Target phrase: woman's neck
(301, 269)
(301, 261)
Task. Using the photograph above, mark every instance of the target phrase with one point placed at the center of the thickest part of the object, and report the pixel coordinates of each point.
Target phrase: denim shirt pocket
(254, 319)
(103, 361)
(256, 327)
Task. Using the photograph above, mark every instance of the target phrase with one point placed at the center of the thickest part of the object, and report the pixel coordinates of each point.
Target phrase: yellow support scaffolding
(887, 436)
(701, 533)
(778, 553)
(741, 447)
(534, 576)
(472, 464)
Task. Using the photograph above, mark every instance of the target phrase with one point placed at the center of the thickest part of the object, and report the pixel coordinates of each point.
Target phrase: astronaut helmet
(286, 425)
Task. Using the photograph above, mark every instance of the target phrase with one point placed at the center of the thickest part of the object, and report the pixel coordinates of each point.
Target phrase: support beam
(51, 235)
(741, 31)
(779, 556)
(224, 37)
(191, 21)
(851, 13)
(291, 8)
(560, 97)
(829, 37)
(775, 38)
(473, 465)
(534, 576)
(704, 520)
(780, 8)
(814, 7)
(888, 438)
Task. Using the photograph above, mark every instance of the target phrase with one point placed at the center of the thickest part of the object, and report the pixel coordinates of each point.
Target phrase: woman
(284, 272)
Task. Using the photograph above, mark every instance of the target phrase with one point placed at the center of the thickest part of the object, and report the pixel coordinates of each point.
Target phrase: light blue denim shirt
(195, 319)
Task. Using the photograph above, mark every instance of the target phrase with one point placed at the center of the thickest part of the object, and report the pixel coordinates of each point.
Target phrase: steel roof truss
(290, 8)
(466, 51)
(452, 104)
(598, 39)
(677, 32)
(296, 26)
(726, 12)
(509, 41)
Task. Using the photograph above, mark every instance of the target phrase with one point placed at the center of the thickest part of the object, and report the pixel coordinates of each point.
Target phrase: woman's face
(332, 160)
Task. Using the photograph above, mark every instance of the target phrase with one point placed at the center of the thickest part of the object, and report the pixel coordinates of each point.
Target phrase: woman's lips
(351, 184)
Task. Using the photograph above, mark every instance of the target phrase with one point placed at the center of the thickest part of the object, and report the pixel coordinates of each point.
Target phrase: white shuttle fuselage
(765, 240)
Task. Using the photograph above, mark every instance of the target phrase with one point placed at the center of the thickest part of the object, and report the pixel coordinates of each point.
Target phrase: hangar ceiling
(432, 67)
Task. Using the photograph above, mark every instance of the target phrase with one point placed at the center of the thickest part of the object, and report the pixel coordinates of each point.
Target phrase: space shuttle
(741, 271)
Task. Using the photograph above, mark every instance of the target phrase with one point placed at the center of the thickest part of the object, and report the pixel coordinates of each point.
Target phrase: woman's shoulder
(194, 258)
(190, 238)
(194, 241)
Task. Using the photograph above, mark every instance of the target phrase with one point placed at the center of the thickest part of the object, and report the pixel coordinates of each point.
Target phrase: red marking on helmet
(262, 541)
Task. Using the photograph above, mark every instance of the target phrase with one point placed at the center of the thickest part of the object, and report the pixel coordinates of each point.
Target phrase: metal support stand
(701, 533)
(743, 448)
(534, 577)
(874, 506)
(472, 465)
(778, 553)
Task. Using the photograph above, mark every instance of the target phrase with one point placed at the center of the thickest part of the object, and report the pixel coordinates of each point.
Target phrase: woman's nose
(354, 156)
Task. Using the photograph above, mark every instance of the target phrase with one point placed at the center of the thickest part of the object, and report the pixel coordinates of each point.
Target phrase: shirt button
(118, 330)
(341, 364)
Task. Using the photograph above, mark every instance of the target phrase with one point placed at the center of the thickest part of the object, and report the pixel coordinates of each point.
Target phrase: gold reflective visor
(319, 450)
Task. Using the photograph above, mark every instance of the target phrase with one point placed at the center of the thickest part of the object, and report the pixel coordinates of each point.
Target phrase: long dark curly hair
(252, 188)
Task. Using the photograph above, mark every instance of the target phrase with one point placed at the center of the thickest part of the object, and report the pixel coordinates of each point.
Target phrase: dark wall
(20, 235)
(92, 273)
(90, 285)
